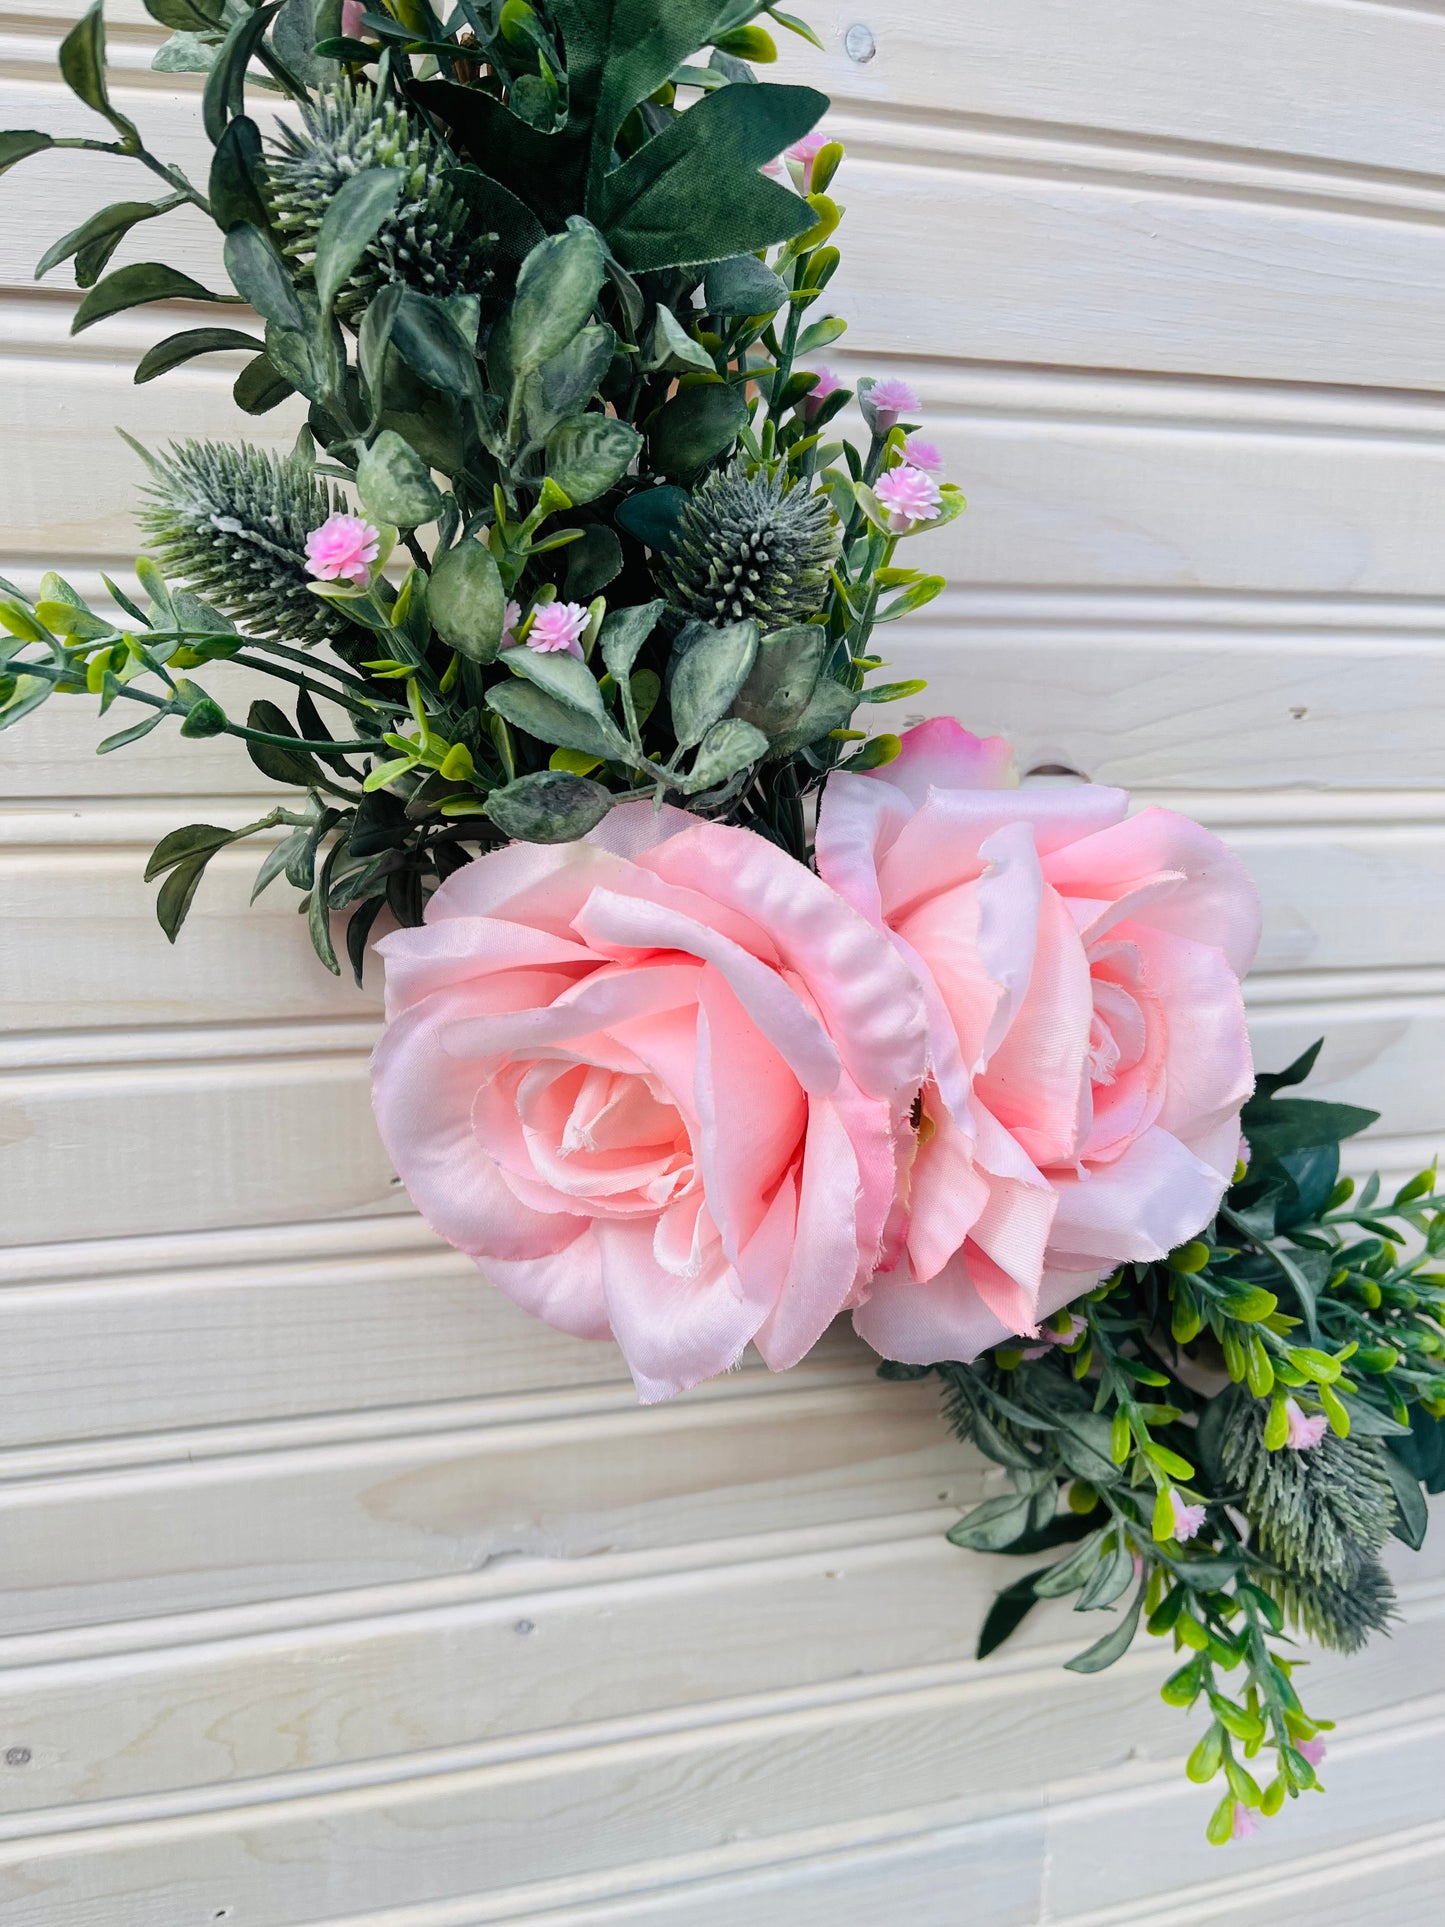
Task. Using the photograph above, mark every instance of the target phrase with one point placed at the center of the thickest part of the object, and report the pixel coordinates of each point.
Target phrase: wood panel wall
(336, 1592)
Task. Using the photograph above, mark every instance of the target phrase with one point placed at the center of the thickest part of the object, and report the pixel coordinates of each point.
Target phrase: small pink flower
(805, 152)
(1243, 1823)
(827, 384)
(909, 496)
(1312, 1750)
(343, 548)
(1187, 1518)
(1304, 1433)
(509, 624)
(557, 626)
(923, 454)
(891, 399)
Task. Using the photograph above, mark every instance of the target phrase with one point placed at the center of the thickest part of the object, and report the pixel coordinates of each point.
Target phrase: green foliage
(1167, 1386)
(751, 546)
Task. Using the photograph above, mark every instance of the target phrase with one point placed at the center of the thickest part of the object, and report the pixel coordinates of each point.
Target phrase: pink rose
(658, 1084)
(1088, 1053)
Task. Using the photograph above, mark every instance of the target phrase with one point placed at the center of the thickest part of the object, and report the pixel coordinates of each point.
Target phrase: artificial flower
(658, 1083)
(557, 626)
(890, 400)
(1187, 1518)
(827, 384)
(1089, 1057)
(909, 496)
(342, 549)
(922, 454)
(1304, 1433)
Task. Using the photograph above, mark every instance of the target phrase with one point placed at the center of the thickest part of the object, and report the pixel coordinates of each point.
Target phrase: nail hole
(524, 1626)
(1299, 714)
(859, 44)
(1054, 773)
(17, 1756)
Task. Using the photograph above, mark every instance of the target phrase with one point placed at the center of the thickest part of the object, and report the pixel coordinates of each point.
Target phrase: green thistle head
(1321, 1512)
(230, 522)
(425, 244)
(751, 546)
(1341, 1613)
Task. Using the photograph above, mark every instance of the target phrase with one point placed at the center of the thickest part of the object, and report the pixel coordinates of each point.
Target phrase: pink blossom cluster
(669, 1085)
(343, 549)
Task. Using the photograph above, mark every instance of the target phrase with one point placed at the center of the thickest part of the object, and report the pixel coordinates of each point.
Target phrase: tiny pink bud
(1187, 1518)
(557, 626)
(923, 454)
(1304, 1433)
(805, 152)
(343, 548)
(1243, 1823)
(1312, 1750)
(827, 384)
(891, 399)
(909, 496)
(510, 620)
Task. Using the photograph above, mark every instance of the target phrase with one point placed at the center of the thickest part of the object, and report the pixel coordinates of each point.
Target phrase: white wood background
(336, 1592)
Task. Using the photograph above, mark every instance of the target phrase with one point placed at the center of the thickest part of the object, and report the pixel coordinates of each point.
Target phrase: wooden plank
(463, 1684)
(281, 1524)
(1085, 1762)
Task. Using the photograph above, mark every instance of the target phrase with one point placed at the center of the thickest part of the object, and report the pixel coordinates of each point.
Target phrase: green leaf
(277, 860)
(743, 285)
(565, 384)
(293, 767)
(1112, 1646)
(623, 634)
(177, 893)
(729, 746)
(1071, 1573)
(670, 346)
(225, 95)
(557, 290)
(795, 25)
(561, 675)
(185, 53)
(1412, 1513)
(132, 286)
(238, 166)
(550, 806)
(696, 427)
(352, 221)
(992, 1525)
(592, 563)
(1110, 1582)
(590, 454)
(100, 235)
(318, 911)
(258, 388)
(661, 208)
(1008, 1612)
(19, 143)
(122, 737)
(430, 337)
(183, 347)
(186, 16)
(260, 275)
(195, 840)
(82, 63)
(784, 675)
(653, 515)
(395, 484)
(204, 717)
(830, 707)
(466, 601)
(541, 716)
(709, 668)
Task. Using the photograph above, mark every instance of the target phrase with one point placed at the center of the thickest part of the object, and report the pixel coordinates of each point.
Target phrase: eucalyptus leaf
(353, 219)
(531, 710)
(466, 601)
(782, 679)
(992, 1525)
(132, 286)
(696, 427)
(623, 634)
(395, 484)
(179, 348)
(729, 746)
(743, 286)
(185, 53)
(562, 676)
(557, 289)
(1070, 1574)
(318, 912)
(550, 806)
(709, 667)
(829, 707)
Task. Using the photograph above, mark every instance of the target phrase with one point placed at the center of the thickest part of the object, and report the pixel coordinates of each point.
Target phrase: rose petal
(824, 1260)
(674, 1332)
(564, 1289)
(1155, 1196)
(942, 754)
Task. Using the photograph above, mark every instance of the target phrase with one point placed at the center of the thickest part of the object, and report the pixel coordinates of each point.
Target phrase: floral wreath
(711, 1016)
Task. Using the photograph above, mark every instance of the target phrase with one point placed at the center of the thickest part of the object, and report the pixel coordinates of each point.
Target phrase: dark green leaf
(652, 515)
(548, 807)
(358, 930)
(130, 287)
(395, 484)
(1266, 1083)
(196, 839)
(592, 563)
(293, 767)
(1008, 1612)
(186, 16)
(1110, 1582)
(427, 335)
(259, 274)
(709, 667)
(782, 679)
(993, 1524)
(185, 346)
(1068, 1575)
(1112, 1646)
(557, 290)
(589, 454)
(1293, 1123)
(661, 208)
(1423, 1453)
(379, 825)
(177, 893)
(225, 95)
(467, 602)
(99, 236)
(238, 168)
(623, 634)
(82, 63)
(353, 219)
(258, 388)
(318, 915)
(1412, 1514)
(19, 143)
(565, 384)
(286, 852)
(743, 286)
(696, 427)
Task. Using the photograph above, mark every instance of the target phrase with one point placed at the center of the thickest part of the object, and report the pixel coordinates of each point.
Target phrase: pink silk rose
(1088, 1052)
(658, 1084)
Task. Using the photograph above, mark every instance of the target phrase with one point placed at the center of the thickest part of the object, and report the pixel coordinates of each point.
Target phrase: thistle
(1340, 1613)
(751, 546)
(425, 243)
(230, 521)
(1320, 1513)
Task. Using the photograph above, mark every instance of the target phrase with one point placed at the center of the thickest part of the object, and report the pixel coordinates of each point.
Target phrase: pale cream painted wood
(337, 1594)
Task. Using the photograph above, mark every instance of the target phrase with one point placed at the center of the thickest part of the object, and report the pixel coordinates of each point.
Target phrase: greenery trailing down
(544, 323)
(1148, 1436)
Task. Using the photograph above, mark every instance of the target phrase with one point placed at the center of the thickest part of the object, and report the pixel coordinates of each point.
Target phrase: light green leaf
(830, 707)
(557, 290)
(395, 484)
(550, 806)
(563, 677)
(623, 634)
(670, 346)
(743, 286)
(709, 667)
(466, 601)
(542, 717)
(782, 678)
(1113, 1645)
(729, 746)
